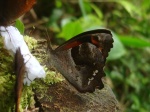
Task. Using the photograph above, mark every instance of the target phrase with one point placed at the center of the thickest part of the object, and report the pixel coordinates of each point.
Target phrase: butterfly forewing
(82, 38)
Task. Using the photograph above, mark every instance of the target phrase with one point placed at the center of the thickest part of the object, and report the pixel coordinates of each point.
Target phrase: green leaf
(58, 3)
(130, 7)
(118, 49)
(133, 81)
(71, 29)
(134, 41)
(97, 10)
(90, 22)
(81, 4)
(136, 102)
(20, 26)
(116, 75)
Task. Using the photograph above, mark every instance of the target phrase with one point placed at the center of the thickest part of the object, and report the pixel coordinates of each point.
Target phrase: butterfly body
(12, 9)
(81, 59)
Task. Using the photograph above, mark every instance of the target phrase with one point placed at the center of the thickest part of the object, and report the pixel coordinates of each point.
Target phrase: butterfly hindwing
(81, 59)
(89, 63)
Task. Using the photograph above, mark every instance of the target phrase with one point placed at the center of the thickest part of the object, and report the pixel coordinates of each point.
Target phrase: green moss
(7, 76)
(31, 42)
(7, 80)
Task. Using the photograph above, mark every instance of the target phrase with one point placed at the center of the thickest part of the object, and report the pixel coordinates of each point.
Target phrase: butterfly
(81, 59)
(20, 72)
(12, 9)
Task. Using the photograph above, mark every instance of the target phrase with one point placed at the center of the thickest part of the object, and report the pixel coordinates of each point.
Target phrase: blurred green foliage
(19, 25)
(129, 62)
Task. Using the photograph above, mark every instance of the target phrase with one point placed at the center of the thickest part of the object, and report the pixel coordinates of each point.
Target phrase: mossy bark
(64, 98)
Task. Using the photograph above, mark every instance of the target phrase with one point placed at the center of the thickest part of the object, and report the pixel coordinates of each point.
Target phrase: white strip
(14, 40)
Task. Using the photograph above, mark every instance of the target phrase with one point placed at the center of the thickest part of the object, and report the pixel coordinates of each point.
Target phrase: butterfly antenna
(49, 47)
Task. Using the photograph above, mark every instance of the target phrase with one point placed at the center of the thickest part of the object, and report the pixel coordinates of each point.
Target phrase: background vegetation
(128, 66)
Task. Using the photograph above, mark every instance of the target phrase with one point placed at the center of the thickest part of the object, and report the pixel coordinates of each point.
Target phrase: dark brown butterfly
(81, 59)
(12, 9)
(20, 71)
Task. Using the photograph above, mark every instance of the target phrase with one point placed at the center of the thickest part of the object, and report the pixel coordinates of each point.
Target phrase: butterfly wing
(81, 59)
(12, 9)
(101, 38)
(81, 38)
